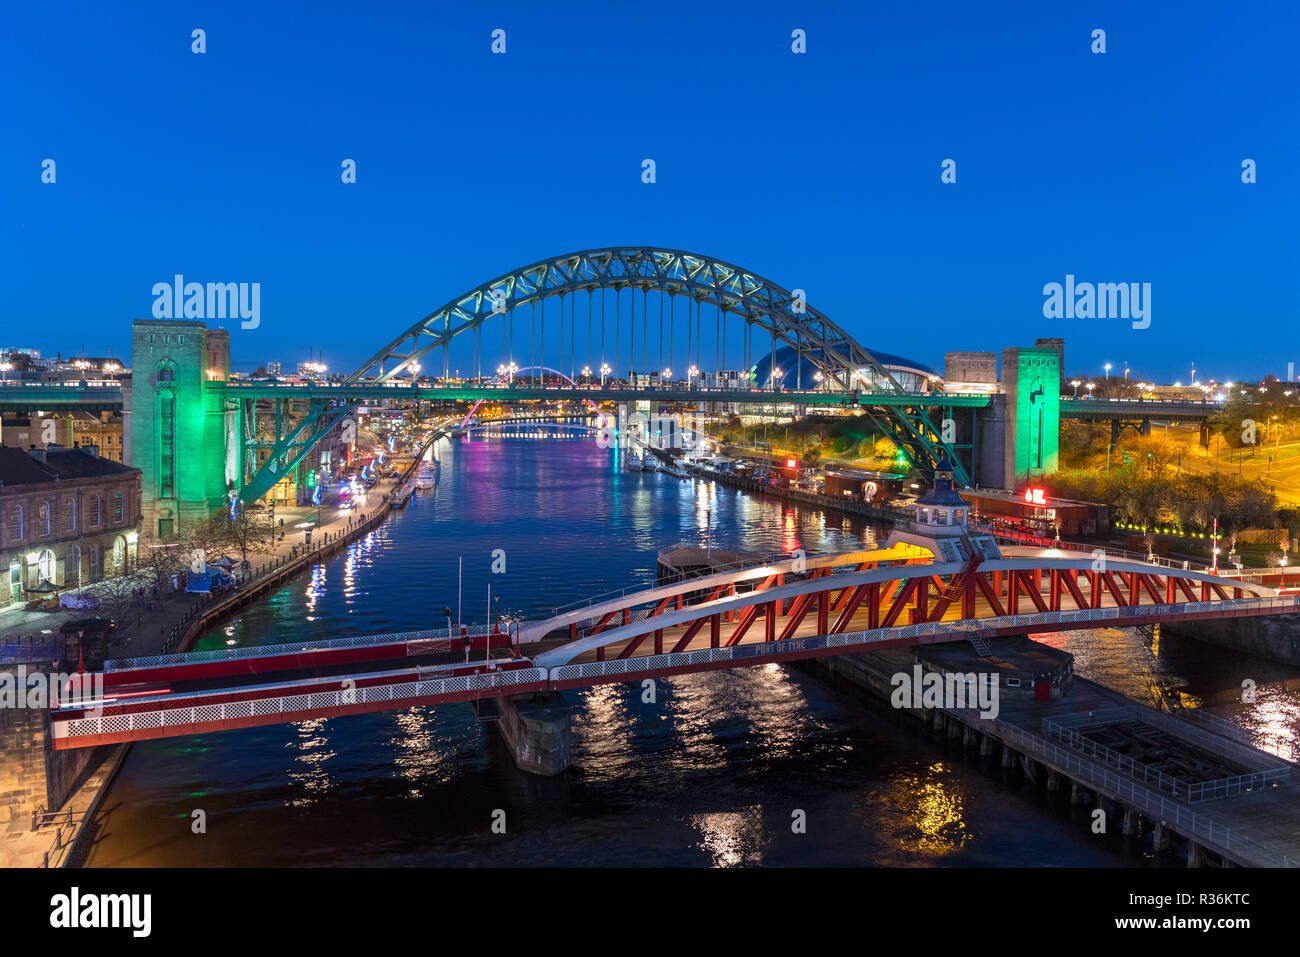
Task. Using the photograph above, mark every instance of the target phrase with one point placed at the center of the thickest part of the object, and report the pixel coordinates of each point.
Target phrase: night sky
(818, 170)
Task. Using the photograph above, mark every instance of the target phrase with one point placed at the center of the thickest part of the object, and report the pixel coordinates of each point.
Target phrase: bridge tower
(1031, 382)
(181, 431)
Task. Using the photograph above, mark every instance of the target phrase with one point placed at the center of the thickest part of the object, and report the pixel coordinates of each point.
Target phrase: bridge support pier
(1079, 795)
(1195, 854)
(968, 735)
(986, 745)
(938, 720)
(536, 728)
(1009, 757)
(1053, 781)
(1129, 822)
(1160, 837)
(1030, 767)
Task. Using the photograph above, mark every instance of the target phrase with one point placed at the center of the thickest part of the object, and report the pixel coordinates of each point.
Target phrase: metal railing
(304, 703)
(1159, 808)
(1175, 787)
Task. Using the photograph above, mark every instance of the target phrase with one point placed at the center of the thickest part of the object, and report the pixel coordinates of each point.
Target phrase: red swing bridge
(923, 586)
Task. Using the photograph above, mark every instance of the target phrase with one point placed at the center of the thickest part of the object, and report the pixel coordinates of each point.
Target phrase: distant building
(69, 430)
(67, 517)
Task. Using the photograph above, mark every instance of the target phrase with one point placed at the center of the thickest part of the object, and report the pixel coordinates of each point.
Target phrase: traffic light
(311, 478)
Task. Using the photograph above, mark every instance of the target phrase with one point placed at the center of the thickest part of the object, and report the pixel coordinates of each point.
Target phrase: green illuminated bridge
(661, 327)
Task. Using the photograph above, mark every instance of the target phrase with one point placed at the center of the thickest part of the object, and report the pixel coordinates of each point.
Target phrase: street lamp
(776, 374)
(818, 377)
(1090, 387)
(668, 375)
(586, 373)
(1107, 368)
(604, 371)
(1076, 383)
(691, 372)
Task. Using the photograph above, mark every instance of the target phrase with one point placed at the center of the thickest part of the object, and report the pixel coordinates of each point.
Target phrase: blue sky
(819, 171)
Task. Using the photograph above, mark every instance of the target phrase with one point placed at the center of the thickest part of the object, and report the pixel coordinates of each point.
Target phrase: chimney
(91, 449)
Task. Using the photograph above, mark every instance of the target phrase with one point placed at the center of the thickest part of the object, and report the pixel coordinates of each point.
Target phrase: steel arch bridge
(758, 302)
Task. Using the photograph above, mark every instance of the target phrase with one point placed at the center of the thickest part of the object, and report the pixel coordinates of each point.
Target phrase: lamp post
(1090, 386)
(1076, 383)
(604, 371)
(586, 373)
(692, 371)
(1107, 368)
(776, 374)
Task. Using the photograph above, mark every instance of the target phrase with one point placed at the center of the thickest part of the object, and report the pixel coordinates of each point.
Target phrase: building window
(166, 444)
(164, 528)
(43, 518)
(117, 508)
(94, 561)
(16, 524)
(45, 565)
(94, 511)
(69, 514)
(166, 372)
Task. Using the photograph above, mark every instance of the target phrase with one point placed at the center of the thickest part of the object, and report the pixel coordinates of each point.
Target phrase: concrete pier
(537, 729)
(1253, 823)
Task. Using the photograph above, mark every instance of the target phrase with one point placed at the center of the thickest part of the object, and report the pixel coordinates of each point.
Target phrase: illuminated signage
(790, 463)
(1035, 496)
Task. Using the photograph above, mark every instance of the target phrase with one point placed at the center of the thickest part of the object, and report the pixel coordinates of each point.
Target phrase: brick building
(67, 517)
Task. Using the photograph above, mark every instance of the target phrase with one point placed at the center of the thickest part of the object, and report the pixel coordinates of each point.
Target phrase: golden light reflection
(732, 838)
(420, 753)
(308, 771)
(316, 587)
(934, 811)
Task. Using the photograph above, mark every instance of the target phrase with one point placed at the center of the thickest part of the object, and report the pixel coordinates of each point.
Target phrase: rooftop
(19, 467)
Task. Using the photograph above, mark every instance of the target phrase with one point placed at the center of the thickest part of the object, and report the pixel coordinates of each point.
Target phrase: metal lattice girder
(732, 289)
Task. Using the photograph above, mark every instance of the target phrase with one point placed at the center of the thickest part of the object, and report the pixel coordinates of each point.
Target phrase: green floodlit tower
(180, 430)
(1031, 380)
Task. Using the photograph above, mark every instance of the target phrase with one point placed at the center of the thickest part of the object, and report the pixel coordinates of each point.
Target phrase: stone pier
(536, 728)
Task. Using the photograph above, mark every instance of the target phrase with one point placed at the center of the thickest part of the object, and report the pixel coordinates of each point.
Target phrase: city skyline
(233, 171)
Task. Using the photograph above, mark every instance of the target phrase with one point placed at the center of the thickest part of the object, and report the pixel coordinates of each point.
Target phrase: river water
(713, 773)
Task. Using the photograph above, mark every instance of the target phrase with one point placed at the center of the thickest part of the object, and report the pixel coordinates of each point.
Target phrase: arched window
(43, 519)
(69, 514)
(119, 555)
(45, 565)
(166, 372)
(95, 516)
(16, 524)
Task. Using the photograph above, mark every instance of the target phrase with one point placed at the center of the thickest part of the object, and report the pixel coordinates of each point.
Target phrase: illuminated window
(45, 566)
(43, 518)
(94, 511)
(16, 524)
(117, 508)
